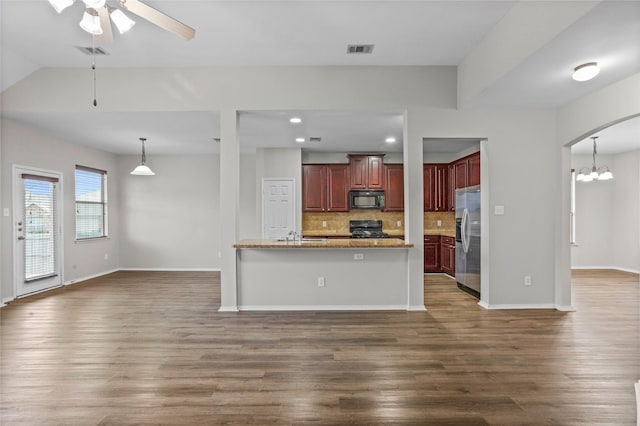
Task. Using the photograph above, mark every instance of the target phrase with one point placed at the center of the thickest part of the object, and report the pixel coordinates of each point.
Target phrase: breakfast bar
(322, 274)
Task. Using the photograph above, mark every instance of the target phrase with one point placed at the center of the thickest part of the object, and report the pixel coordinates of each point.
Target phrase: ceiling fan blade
(160, 19)
(105, 22)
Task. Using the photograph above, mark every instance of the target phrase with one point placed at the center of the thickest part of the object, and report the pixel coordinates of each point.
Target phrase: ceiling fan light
(91, 22)
(60, 5)
(94, 4)
(122, 21)
(586, 71)
(142, 170)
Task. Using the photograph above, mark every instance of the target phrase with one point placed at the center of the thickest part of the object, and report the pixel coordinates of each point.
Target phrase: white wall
(607, 215)
(249, 207)
(25, 146)
(626, 212)
(170, 220)
(594, 217)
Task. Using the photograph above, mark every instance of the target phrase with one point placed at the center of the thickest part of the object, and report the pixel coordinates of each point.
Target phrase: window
(91, 203)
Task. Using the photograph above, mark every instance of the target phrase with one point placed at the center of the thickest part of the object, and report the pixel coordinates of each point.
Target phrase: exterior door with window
(37, 230)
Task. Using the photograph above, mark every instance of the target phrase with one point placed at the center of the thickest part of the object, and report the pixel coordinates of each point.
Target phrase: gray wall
(26, 146)
(607, 212)
(170, 220)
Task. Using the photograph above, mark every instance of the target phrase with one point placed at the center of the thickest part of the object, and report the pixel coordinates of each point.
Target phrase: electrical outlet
(439, 223)
(321, 282)
(5, 211)
(399, 223)
(527, 280)
(358, 256)
(324, 223)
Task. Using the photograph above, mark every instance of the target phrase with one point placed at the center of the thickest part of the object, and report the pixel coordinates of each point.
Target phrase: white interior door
(37, 230)
(278, 208)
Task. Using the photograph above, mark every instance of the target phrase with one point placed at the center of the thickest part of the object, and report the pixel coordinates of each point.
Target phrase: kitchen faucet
(293, 235)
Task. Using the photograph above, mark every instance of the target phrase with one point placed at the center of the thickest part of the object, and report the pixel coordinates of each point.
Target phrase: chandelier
(587, 174)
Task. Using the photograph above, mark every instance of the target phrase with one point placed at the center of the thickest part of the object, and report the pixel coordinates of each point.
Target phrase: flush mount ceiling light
(142, 169)
(390, 139)
(586, 71)
(98, 16)
(587, 174)
(295, 120)
(299, 140)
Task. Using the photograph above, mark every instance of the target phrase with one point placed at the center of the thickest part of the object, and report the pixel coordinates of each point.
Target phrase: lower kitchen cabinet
(432, 253)
(448, 255)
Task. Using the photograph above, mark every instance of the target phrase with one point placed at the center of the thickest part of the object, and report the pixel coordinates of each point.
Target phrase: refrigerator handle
(464, 230)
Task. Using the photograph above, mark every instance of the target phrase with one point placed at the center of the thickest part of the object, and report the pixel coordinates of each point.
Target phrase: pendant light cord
(144, 156)
(594, 151)
(93, 67)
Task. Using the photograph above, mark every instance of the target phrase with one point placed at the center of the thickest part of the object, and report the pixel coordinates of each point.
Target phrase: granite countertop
(447, 232)
(324, 243)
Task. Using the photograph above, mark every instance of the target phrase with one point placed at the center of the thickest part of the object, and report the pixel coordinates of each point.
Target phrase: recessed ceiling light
(586, 71)
(299, 139)
(295, 120)
(390, 139)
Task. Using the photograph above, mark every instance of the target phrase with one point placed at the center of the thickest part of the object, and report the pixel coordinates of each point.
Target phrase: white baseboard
(416, 308)
(228, 309)
(565, 308)
(518, 306)
(5, 301)
(172, 269)
(483, 304)
(322, 307)
(615, 268)
(99, 274)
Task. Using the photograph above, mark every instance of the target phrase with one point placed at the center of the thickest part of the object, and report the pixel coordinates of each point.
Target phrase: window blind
(91, 203)
(40, 236)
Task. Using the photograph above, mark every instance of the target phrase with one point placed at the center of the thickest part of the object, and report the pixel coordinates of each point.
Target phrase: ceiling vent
(92, 50)
(315, 139)
(359, 48)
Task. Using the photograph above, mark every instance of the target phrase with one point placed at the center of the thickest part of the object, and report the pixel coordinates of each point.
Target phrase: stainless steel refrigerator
(468, 239)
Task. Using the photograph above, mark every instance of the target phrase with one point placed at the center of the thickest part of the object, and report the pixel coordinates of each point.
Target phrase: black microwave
(366, 199)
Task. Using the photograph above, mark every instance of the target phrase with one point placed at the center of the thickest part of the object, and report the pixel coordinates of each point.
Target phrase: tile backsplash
(338, 222)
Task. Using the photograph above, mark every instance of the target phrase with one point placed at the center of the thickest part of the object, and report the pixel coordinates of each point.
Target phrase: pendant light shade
(142, 169)
(91, 22)
(60, 5)
(587, 174)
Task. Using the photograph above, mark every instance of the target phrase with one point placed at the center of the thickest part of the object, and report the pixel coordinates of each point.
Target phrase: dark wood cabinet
(451, 190)
(448, 255)
(325, 187)
(474, 169)
(367, 171)
(432, 253)
(394, 187)
(435, 187)
(460, 173)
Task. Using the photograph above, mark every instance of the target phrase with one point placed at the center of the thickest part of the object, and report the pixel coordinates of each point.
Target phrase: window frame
(103, 202)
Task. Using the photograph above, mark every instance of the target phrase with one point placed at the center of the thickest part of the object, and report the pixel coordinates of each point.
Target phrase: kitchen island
(323, 274)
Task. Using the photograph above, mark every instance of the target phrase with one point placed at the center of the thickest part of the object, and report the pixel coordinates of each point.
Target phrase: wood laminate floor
(150, 348)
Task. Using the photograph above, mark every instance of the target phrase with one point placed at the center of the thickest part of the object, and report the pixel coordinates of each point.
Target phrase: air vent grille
(92, 50)
(315, 139)
(359, 48)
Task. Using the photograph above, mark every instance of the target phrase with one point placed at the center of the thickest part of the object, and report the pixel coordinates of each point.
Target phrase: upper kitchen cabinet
(467, 171)
(394, 187)
(325, 187)
(436, 187)
(367, 171)
(474, 169)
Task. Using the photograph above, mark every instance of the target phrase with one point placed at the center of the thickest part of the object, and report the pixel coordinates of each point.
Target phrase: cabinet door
(358, 165)
(441, 187)
(445, 258)
(451, 188)
(337, 187)
(375, 172)
(313, 188)
(432, 257)
(429, 187)
(394, 187)
(460, 172)
(474, 169)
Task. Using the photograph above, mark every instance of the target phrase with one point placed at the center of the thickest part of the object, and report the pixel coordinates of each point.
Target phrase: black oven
(366, 199)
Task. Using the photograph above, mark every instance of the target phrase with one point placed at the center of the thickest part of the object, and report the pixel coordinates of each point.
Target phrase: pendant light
(594, 173)
(142, 169)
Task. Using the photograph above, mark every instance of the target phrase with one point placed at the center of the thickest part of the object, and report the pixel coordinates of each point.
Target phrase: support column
(414, 212)
(229, 208)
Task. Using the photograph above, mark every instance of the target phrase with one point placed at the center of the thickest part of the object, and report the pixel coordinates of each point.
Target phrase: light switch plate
(5, 212)
(499, 210)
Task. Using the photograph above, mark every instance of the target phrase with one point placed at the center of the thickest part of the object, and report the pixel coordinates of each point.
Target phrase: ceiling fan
(98, 16)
